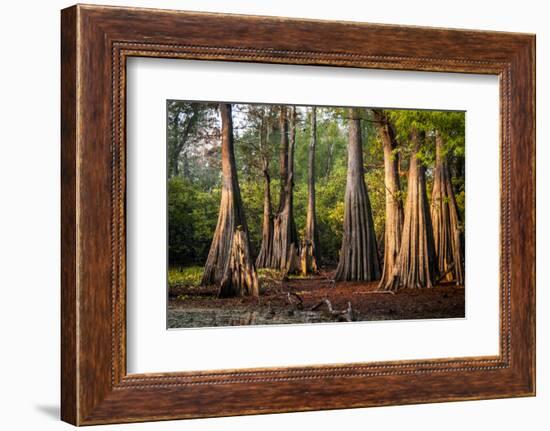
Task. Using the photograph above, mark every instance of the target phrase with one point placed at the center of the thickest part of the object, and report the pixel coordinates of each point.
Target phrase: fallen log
(346, 315)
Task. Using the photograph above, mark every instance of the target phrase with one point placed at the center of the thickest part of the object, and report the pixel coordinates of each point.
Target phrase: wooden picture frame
(95, 43)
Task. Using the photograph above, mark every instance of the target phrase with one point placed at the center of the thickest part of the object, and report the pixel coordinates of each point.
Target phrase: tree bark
(283, 156)
(173, 163)
(446, 223)
(229, 261)
(415, 266)
(290, 180)
(310, 250)
(359, 254)
(285, 252)
(394, 206)
(264, 257)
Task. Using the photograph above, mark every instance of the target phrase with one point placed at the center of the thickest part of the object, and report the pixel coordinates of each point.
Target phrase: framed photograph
(266, 215)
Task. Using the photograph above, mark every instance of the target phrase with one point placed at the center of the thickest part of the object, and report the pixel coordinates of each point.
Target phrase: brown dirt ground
(274, 307)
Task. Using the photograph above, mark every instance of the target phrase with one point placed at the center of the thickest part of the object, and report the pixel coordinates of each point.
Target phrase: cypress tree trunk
(394, 207)
(290, 180)
(173, 151)
(415, 266)
(264, 257)
(310, 250)
(283, 156)
(229, 262)
(285, 252)
(359, 254)
(446, 224)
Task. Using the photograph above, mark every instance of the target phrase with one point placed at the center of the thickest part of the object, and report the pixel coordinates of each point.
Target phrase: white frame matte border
(153, 348)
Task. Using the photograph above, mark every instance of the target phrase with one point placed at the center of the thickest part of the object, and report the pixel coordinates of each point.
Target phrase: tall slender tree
(266, 248)
(359, 254)
(310, 248)
(394, 206)
(415, 266)
(183, 119)
(285, 253)
(446, 223)
(283, 156)
(229, 261)
(290, 179)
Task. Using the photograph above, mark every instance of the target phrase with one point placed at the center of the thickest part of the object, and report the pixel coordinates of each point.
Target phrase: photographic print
(287, 214)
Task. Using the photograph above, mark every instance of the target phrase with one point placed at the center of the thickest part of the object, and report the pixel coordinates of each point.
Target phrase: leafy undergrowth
(269, 278)
(189, 276)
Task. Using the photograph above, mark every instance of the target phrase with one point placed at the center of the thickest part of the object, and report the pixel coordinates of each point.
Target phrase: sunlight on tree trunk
(285, 253)
(229, 262)
(264, 257)
(359, 254)
(394, 206)
(415, 266)
(310, 250)
(283, 156)
(240, 279)
(446, 224)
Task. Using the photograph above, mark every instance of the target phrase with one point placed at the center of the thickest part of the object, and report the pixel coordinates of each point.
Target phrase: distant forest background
(194, 169)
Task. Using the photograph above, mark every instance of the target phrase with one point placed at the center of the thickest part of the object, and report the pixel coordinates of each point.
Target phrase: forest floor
(304, 300)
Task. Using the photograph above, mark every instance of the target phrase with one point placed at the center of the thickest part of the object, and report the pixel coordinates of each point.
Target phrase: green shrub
(192, 217)
(188, 277)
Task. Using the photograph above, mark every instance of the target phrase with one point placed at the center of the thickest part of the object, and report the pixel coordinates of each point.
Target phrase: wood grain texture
(96, 41)
(69, 397)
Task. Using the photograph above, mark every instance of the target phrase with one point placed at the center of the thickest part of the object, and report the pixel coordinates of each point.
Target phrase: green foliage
(460, 196)
(189, 276)
(330, 212)
(192, 135)
(252, 194)
(192, 217)
(451, 126)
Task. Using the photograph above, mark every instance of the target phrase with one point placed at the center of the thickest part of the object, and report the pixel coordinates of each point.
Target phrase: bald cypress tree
(415, 266)
(285, 253)
(229, 263)
(359, 254)
(266, 248)
(446, 223)
(310, 247)
(394, 206)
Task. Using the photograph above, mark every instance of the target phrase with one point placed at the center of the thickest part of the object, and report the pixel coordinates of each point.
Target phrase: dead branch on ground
(345, 315)
(295, 299)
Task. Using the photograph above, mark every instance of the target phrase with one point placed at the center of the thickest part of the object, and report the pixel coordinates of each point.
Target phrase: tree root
(442, 276)
(295, 299)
